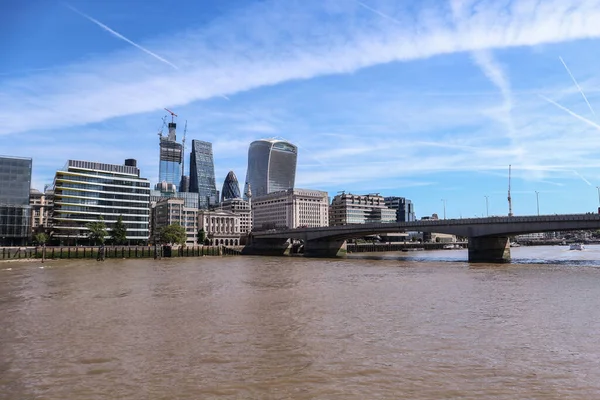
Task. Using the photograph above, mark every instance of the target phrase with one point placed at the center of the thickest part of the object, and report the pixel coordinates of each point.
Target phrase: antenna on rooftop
(510, 213)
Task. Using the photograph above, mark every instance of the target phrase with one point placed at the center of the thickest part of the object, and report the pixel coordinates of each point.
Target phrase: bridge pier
(489, 249)
(325, 248)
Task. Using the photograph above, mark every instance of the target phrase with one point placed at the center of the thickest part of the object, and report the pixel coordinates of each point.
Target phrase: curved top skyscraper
(271, 166)
(231, 187)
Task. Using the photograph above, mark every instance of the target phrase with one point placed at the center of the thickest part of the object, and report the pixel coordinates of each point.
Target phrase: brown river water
(374, 326)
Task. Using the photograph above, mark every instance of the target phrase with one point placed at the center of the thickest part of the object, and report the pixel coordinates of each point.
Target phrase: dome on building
(231, 187)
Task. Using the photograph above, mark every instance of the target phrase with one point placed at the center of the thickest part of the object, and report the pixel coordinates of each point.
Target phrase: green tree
(201, 236)
(172, 234)
(118, 233)
(40, 238)
(97, 231)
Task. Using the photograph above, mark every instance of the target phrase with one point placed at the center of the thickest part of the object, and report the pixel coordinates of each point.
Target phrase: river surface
(374, 326)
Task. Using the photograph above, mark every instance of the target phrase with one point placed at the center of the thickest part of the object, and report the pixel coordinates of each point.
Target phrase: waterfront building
(164, 190)
(85, 191)
(169, 211)
(202, 174)
(41, 209)
(271, 166)
(171, 157)
(405, 211)
(231, 187)
(289, 209)
(15, 211)
(243, 209)
(221, 227)
(348, 208)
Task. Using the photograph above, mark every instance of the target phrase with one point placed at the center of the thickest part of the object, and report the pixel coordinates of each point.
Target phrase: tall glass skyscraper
(202, 174)
(231, 187)
(15, 211)
(171, 155)
(271, 166)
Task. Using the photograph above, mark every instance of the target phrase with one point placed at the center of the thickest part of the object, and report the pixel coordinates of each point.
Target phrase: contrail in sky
(585, 180)
(394, 20)
(579, 117)
(117, 34)
(577, 84)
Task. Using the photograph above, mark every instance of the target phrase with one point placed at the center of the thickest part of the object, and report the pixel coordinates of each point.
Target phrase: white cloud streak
(117, 34)
(577, 85)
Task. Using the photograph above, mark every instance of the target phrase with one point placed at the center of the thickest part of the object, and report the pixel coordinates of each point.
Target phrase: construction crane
(164, 122)
(173, 115)
(510, 213)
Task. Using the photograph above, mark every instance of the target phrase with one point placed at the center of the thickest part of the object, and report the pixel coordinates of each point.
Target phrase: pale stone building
(290, 209)
(221, 227)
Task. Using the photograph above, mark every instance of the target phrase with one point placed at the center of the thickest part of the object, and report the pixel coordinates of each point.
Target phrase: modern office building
(348, 208)
(168, 211)
(405, 211)
(271, 166)
(202, 174)
(15, 211)
(231, 187)
(242, 208)
(171, 157)
(289, 209)
(85, 191)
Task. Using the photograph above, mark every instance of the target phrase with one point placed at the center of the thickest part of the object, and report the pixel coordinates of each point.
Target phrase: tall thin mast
(183, 150)
(510, 213)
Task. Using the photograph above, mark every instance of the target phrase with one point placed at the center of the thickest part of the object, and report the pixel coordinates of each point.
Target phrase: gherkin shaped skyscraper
(231, 187)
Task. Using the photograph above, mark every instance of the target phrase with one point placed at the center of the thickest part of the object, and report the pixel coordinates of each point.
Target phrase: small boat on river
(576, 246)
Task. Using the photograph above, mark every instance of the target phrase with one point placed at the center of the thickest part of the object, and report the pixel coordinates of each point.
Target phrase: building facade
(231, 187)
(290, 209)
(405, 211)
(221, 227)
(348, 208)
(202, 173)
(42, 205)
(271, 166)
(171, 158)
(15, 211)
(86, 191)
(242, 208)
(169, 211)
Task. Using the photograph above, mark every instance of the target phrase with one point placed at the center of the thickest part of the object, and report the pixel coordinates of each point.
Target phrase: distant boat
(452, 246)
(515, 244)
(576, 246)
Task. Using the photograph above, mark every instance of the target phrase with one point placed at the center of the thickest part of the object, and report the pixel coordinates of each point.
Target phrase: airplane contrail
(585, 180)
(117, 34)
(394, 20)
(579, 117)
(577, 84)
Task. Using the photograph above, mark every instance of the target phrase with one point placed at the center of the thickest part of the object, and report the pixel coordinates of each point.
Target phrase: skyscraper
(202, 173)
(171, 155)
(271, 166)
(231, 187)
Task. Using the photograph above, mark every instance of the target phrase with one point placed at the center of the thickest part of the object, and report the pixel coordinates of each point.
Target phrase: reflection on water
(402, 326)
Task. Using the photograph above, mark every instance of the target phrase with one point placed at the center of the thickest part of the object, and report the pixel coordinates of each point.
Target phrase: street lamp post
(487, 212)
(537, 199)
(598, 187)
(444, 201)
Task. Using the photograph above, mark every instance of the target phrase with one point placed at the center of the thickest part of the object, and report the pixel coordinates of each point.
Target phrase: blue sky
(428, 100)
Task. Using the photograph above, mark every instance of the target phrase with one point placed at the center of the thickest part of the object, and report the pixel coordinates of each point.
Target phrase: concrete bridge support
(268, 247)
(489, 249)
(325, 248)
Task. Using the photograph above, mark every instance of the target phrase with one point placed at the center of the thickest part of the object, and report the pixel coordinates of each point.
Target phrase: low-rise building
(41, 209)
(221, 227)
(405, 211)
(169, 211)
(348, 208)
(290, 209)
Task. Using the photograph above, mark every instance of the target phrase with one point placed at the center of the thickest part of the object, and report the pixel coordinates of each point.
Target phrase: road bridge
(488, 237)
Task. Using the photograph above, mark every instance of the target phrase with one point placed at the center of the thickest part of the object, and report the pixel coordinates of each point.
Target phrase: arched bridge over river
(488, 237)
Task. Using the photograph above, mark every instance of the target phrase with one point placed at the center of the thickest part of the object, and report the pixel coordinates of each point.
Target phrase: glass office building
(171, 157)
(405, 211)
(271, 166)
(231, 187)
(202, 174)
(15, 211)
(84, 191)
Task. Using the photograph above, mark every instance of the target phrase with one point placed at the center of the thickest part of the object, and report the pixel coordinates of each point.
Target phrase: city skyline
(426, 100)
